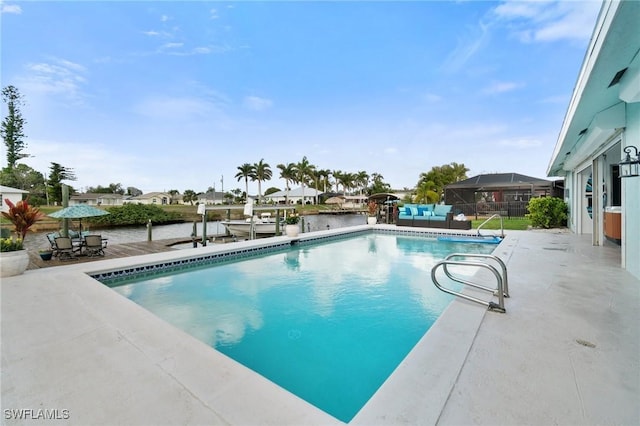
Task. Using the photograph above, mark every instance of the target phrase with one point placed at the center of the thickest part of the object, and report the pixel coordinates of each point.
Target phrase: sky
(162, 95)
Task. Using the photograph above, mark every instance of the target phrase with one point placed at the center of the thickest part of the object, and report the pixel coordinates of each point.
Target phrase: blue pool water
(328, 322)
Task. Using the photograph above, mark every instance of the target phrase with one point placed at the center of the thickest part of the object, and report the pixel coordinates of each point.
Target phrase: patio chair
(64, 248)
(52, 242)
(93, 245)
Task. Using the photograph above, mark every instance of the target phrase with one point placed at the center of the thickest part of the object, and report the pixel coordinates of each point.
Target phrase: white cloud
(172, 45)
(256, 103)
(176, 109)
(164, 18)
(60, 76)
(213, 14)
(467, 47)
(545, 21)
(501, 87)
(11, 8)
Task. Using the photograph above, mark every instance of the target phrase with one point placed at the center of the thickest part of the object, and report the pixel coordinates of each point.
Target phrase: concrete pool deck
(566, 352)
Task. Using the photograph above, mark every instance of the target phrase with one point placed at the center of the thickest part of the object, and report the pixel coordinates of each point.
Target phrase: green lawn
(517, 224)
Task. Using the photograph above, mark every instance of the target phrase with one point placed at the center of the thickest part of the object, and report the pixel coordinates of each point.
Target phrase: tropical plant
(441, 176)
(303, 172)
(189, 196)
(23, 217)
(288, 173)
(262, 172)
(372, 207)
(246, 171)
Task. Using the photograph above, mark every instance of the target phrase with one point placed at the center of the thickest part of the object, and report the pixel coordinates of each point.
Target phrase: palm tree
(459, 171)
(315, 178)
(288, 173)
(337, 175)
(262, 172)
(346, 179)
(426, 193)
(323, 174)
(362, 179)
(246, 171)
(303, 171)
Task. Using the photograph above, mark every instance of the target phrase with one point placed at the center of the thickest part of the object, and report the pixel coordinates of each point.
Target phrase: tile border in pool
(111, 277)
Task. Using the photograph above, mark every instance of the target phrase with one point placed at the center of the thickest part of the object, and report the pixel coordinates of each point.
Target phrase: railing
(501, 290)
(489, 219)
(508, 209)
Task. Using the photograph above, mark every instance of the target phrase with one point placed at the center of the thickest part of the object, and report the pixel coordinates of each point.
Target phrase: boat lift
(249, 207)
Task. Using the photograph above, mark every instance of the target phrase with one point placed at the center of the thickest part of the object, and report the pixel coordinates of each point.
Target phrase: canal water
(132, 234)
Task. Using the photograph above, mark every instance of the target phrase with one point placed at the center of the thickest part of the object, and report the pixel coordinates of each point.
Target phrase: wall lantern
(631, 165)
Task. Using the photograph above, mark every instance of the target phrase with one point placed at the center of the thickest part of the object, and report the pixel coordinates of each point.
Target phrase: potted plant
(373, 209)
(45, 254)
(291, 225)
(13, 257)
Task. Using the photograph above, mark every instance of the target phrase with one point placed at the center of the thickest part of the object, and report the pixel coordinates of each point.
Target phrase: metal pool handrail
(499, 307)
(505, 278)
(492, 217)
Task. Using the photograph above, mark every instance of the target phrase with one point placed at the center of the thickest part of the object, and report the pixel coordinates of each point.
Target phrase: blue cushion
(407, 211)
(442, 209)
(414, 211)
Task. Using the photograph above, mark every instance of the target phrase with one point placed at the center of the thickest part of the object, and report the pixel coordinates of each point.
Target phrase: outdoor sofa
(430, 216)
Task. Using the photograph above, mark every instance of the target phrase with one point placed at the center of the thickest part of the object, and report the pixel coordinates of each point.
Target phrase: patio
(566, 352)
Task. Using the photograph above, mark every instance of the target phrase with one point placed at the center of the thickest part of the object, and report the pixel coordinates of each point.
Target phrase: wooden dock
(112, 251)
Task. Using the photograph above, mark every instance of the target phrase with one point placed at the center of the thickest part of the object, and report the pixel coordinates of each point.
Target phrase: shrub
(135, 214)
(547, 212)
(9, 244)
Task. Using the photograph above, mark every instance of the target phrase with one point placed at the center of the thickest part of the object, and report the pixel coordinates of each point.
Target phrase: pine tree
(12, 126)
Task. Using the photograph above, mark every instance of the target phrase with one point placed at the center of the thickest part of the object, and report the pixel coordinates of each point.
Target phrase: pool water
(328, 322)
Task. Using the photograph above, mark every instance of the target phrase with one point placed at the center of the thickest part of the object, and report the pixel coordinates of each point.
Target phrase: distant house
(295, 196)
(95, 199)
(158, 198)
(499, 187)
(211, 198)
(12, 194)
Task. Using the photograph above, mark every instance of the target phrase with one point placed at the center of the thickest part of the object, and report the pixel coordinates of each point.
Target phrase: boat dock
(114, 251)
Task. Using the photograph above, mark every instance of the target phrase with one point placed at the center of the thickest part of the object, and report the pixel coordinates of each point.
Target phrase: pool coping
(165, 356)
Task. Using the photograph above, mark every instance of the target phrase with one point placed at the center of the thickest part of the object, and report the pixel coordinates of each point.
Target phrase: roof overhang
(608, 80)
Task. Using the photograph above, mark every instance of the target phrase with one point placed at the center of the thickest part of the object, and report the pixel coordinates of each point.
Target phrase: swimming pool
(329, 322)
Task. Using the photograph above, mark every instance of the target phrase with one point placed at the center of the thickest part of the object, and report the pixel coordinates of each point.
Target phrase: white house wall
(631, 198)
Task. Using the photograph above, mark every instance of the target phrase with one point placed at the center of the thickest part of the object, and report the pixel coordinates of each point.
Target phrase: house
(506, 194)
(499, 187)
(211, 198)
(12, 194)
(295, 196)
(159, 198)
(96, 199)
(602, 126)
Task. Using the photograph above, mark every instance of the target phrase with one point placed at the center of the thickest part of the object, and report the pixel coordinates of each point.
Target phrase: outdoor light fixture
(631, 165)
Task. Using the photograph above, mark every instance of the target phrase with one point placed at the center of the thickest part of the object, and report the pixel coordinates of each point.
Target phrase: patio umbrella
(79, 211)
